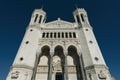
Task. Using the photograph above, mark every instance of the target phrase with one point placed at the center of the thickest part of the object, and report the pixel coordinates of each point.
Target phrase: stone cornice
(22, 66)
(95, 66)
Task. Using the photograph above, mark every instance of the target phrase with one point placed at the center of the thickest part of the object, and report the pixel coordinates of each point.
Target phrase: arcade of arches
(59, 65)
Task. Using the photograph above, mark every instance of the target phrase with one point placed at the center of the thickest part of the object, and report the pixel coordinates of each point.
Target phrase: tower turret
(38, 17)
(80, 16)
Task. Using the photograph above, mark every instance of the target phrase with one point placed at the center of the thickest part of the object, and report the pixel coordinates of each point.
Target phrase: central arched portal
(58, 64)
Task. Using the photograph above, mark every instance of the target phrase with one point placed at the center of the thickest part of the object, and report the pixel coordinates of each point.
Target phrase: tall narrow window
(51, 35)
(70, 35)
(58, 76)
(43, 35)
(47, 35)
(58, 35)
(74, 35)
(82, 17)
(54, 35)
(62, 35)
(36, 18)
(40, 19)
(78, 18)
(66, 34)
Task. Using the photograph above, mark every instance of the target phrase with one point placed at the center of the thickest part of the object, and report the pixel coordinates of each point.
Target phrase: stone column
(64, 34)
(82, 67)
(72, 35)
(50, 67)
(56, 34)
(65, 66)
(35, 66)
(60, 34)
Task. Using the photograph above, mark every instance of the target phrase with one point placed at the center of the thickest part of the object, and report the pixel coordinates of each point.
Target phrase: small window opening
(54, 35)
(78, 19)
(58, 76)
(91, 42)
(40, 19)
(96, 58)
(66, 34)
(47, 35)
(51, 35)
(36, 18)
(21, 59)
(43, 35)
(62, 35)
(27, 42)
(86, 29)
(82, 17)
(70, 35)
(31, 30)
(58, 35)
(74, 35)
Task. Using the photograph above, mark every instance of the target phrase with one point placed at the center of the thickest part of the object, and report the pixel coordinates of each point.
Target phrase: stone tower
(59, 50)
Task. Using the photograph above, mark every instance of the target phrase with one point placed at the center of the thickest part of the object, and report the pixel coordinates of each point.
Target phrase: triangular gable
(59, 24)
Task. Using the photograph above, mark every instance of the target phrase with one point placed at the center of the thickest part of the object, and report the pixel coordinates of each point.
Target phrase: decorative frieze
(71, 69)
(42, 69)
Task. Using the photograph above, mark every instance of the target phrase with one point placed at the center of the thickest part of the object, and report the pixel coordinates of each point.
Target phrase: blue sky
(104, 16)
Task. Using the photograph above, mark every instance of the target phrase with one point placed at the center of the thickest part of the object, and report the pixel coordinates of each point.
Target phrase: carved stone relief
(71, 69)
(15, 74)
(101, 75)
(42, 69)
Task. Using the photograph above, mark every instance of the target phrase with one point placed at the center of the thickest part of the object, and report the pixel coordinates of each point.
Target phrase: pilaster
(35, 67)
(82, 66)
(65, 66)
(50, 66)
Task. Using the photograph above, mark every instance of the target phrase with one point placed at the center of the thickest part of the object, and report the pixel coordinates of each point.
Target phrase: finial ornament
(42, 6)
(76, 6)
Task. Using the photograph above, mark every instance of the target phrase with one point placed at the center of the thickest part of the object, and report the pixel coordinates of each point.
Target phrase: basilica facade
(59, 50)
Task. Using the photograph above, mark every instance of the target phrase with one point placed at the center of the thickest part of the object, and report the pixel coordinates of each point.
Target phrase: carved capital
(65, 52)
(51, 54)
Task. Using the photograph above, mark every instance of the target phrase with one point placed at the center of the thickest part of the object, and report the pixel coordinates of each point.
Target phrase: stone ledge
(22, 66)
(95, 66)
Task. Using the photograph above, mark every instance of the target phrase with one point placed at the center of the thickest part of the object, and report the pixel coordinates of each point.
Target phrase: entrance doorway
(58, 76)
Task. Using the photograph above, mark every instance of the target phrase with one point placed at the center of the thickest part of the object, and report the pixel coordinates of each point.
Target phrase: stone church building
(59, 50)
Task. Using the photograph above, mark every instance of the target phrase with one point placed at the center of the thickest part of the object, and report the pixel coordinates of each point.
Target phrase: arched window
(66, 34)
(51, 35)
(74, 35)
(70, 35)
(72, 51)
(55, 35)
(47, 35)
(40, 18)
(58, 51)
(58, 35)
(78, 18)
(36, 18)
(82, 17)
(43, 35)
(62, 35)
(45, 50)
